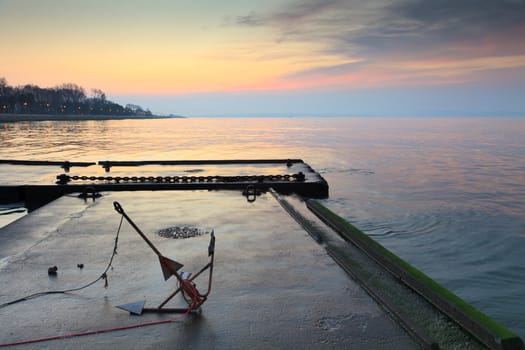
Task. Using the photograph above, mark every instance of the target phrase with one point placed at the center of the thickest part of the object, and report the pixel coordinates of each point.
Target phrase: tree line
(65, 99)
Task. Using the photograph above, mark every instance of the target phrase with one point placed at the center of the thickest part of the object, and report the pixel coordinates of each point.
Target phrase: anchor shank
(120, 210)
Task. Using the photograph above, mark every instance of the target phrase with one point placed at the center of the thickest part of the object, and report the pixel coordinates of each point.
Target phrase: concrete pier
(273, 285)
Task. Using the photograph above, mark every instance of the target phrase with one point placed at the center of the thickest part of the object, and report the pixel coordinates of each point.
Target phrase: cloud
(428, 24)
(329, 21)
(394, 37)
(303, 10)
(351, 27)
(250, 20)
(473, 16)
(329, 70)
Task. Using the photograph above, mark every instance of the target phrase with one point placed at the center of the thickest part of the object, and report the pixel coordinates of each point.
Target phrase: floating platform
(34, 183)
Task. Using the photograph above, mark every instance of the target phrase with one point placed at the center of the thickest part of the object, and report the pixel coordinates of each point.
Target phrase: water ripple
(348, 171)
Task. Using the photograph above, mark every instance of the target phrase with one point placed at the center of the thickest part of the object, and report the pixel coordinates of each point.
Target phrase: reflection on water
(448, 195)
(154, 139)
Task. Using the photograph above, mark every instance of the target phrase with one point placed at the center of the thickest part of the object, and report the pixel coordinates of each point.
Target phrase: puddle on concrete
(337, 322)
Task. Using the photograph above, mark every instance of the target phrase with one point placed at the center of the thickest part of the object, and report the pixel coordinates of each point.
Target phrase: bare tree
(98, 94)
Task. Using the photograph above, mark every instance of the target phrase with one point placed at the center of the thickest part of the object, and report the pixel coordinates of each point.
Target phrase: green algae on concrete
(487, 330)
(431, 327)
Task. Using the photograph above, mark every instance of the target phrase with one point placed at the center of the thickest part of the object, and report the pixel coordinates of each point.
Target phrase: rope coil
(191, 295)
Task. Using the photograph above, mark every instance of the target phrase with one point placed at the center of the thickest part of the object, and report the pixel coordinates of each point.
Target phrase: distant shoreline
(8, 118)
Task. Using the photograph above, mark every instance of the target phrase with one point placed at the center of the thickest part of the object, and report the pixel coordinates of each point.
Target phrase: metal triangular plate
(169, 267)
(133, 308)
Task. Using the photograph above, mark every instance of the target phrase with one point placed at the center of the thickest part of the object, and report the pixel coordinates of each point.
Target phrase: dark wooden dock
(85, 178)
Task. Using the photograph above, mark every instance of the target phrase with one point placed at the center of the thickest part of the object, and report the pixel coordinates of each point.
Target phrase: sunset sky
(275, 57)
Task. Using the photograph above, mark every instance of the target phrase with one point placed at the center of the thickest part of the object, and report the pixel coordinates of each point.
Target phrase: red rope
(191, 294)
(107, 330)
(188, 288)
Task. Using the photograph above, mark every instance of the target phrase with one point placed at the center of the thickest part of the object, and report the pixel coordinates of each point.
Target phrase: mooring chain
(298, 177)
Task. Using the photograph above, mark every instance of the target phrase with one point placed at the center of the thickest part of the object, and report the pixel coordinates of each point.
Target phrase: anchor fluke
(169, 267)
(135, 308)
(211, 247)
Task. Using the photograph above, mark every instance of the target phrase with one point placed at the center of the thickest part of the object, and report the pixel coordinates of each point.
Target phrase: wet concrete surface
(273, 287)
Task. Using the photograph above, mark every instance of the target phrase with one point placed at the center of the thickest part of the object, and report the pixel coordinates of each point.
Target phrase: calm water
(447, 195)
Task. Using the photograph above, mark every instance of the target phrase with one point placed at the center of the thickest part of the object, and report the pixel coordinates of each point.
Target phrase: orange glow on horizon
(167, 65)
